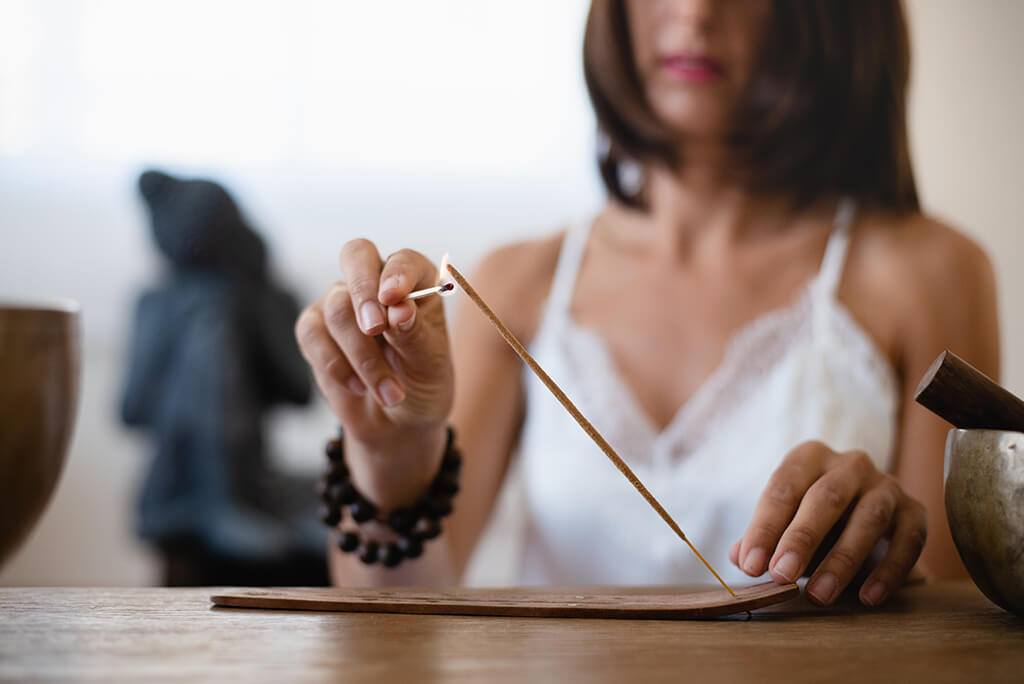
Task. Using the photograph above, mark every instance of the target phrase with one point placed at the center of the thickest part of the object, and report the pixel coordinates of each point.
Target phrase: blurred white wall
(446, 126)
(967, 109)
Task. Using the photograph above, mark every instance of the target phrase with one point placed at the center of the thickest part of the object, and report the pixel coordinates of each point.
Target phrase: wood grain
(934, 634)
(964, 396)
(675, 603)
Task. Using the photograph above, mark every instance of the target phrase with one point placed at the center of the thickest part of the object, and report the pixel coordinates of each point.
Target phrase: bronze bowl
(984, 476)
(40, 358)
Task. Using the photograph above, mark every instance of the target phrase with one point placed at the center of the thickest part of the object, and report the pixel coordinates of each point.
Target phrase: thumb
(420, 355)
(418, 335)
(416, 329)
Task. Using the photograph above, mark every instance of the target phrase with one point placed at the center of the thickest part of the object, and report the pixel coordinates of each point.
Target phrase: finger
(404, 271)
(361, 266)
(777, 506)
(871, 520)
(416, 329)
(362, 352)
(341, 401)
(909, 534)
(402, 317)
(322, 354)
(824, 503)
(734, 553)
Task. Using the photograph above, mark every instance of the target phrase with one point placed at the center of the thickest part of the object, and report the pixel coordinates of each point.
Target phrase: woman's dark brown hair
(824, 114)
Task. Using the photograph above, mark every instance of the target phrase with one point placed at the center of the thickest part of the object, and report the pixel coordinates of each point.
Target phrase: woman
(745, 321)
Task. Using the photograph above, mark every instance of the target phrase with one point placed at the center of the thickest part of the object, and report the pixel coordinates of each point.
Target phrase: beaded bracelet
(414, 524)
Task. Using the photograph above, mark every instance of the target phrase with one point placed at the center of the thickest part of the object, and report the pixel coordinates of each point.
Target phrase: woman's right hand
(382, 363)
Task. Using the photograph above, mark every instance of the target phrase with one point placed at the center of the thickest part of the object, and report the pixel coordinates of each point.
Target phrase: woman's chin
(693, 120)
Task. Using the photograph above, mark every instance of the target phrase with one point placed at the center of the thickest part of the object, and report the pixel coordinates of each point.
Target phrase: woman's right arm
(385, 367)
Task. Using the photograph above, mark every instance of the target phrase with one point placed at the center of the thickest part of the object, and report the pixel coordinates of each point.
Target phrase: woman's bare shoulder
(924, 258)
(515, 279)
(934, 282)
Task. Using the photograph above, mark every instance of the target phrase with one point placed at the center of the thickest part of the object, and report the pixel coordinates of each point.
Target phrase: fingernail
(753, 564)
(406, 325)
(370, 316)
(390, 283)
(874, 593)
(787, 567)
(391, 393)
(823, 588)
(355, 386)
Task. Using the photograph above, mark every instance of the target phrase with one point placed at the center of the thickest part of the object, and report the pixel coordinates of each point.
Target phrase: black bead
(411, 547)
(392, 556)
(347, 494)
(330, 515)
(438, 506)
(348, 542)
(336, 471)
(452, 461)
(446, 485)
(333, 494)
(362, 510)
(426, 529)
(369, 552)
(402, 520)
(335, 449)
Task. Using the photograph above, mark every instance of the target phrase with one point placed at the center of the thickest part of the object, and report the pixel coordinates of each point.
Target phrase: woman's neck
(703, 206)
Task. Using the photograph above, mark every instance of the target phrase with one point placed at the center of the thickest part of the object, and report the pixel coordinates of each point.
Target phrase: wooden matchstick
(437, 289)
(575, 413)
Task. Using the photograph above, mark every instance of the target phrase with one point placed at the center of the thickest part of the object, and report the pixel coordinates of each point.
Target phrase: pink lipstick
(692, 68)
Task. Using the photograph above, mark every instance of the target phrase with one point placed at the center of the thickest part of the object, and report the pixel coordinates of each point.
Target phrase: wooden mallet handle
(961, 394)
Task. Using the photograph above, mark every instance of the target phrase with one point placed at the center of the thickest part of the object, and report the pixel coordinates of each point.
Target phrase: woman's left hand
(812, 491)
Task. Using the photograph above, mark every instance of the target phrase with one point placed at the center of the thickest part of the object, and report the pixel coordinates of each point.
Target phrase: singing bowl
(984, 492)
(40, 360)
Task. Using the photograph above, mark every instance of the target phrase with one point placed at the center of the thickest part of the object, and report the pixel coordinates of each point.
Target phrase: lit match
(445, 286)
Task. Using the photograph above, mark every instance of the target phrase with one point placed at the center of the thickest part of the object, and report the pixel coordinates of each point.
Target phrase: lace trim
(751, 355)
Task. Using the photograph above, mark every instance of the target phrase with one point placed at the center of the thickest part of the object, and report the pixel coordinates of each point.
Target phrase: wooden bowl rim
(56, 305)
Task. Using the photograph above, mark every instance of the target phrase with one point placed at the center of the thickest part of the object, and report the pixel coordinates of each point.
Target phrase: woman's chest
(667, 336)
(667, 333)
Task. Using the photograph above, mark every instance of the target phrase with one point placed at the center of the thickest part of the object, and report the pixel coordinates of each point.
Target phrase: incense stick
(575, 413)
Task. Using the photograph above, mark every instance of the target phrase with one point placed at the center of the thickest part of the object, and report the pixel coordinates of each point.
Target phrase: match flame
(444, 277)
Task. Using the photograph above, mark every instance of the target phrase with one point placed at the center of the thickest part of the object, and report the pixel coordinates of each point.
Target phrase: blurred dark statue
(212, 351)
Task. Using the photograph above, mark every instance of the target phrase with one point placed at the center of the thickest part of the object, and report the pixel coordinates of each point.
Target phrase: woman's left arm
(956, 310)
(944, 299)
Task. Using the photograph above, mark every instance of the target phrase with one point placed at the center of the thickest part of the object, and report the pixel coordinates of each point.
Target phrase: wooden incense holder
(642, 603)
(964, 396)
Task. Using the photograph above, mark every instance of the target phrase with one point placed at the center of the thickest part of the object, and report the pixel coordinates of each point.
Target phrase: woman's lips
(692, 68)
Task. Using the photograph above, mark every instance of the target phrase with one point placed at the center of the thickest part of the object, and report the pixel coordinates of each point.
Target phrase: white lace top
(808, 371)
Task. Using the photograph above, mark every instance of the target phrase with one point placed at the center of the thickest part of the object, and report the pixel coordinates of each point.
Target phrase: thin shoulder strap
(571, 256)
(838, 244)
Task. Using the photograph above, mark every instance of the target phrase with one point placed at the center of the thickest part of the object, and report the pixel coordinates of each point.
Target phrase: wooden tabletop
(945, 632)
